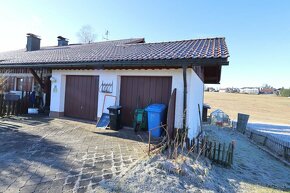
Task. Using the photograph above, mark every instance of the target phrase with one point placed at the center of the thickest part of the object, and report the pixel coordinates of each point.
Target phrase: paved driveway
(56, 155)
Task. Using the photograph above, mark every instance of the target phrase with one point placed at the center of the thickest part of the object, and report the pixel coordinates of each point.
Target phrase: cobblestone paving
(57, 155)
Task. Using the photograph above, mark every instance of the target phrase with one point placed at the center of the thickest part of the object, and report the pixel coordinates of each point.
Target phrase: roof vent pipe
(62, 41)
(33, 42)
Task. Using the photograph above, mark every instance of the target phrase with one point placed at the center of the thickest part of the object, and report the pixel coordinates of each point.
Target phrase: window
(19, 84)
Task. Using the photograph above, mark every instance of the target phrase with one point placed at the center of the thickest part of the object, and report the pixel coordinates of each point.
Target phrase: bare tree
(4, 76)
(86, 34)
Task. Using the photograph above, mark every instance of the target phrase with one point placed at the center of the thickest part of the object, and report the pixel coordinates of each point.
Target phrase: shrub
(285, 92)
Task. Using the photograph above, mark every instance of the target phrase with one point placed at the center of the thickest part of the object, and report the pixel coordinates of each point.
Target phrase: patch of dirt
(253, 171)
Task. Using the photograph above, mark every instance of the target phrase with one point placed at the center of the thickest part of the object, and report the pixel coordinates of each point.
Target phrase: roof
(119, 52)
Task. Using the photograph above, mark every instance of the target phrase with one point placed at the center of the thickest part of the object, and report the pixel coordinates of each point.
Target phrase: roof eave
(163, 63)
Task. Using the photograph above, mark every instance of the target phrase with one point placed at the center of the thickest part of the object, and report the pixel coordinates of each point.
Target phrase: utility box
(242, 122)
(156, 117)
(115, 117)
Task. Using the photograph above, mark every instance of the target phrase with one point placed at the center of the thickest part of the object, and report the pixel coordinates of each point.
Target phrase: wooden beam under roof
(37, 78)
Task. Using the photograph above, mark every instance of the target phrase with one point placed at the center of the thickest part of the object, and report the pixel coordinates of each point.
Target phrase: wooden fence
(276, 145)
(13, 106)
(219, 153)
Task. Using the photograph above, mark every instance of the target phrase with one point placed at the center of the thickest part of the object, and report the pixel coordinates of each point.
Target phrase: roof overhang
(164, 63)
(211, 66)
(212, 74)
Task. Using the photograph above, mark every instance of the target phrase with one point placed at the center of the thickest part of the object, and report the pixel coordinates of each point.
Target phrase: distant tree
(266, 86)
(86, 34)
(285, 92)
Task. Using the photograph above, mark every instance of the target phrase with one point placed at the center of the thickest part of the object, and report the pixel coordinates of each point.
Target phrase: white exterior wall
(57, 92)
(194, 97)
(195, 90)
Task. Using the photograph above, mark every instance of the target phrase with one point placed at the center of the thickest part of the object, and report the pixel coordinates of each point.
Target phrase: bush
(285, 92)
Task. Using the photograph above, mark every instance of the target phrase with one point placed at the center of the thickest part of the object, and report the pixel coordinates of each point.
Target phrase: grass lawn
(261, 108)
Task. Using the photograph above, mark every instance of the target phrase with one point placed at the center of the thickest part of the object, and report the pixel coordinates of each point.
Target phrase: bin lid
(206, 106)
(114, 107)
(156, 108)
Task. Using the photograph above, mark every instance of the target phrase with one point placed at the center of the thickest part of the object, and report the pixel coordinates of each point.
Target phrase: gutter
(165, 63)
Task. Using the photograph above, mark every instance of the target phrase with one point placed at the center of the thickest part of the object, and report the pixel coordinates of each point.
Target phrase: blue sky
(257, 32)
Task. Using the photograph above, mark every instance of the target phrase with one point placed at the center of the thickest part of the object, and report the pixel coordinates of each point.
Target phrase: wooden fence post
(197, 148)
(285, 153)
(202, 146)
(219, 149)
(18, 107)
(193, 144)
(209, 153)
(223, 153)
(206, 148)
(4, 107)
(214, 150)
(187, 142)
(1, 104)
(228, 158)
(9, 108)
(232, 151)
(265, 140)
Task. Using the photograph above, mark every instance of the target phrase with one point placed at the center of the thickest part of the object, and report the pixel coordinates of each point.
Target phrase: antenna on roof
(106, 36)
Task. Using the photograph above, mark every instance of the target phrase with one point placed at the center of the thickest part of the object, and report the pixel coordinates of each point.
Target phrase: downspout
(184, 67)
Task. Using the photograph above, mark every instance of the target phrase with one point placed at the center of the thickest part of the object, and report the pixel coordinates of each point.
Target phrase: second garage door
(81, 97)
(138, 92)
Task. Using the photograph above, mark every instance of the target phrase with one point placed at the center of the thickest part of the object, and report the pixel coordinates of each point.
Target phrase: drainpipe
(184, 67)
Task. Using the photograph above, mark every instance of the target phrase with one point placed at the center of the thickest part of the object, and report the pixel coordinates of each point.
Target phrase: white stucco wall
(58, 92)
(195, 87)
(194, 97)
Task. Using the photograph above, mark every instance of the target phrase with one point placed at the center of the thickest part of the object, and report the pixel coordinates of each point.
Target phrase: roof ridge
(186, 40)
(106, 41)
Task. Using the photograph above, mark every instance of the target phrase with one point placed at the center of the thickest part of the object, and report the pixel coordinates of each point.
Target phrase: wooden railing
(219, 153)
(274, 144)
(13, 106)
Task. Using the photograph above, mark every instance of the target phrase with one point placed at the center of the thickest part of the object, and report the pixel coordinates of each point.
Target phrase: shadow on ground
(25, 156)
(125, 133)
(31, 120)
(38, 154)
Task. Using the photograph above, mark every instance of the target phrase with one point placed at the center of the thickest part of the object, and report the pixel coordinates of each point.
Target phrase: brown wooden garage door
(81, 97)
(140, 91)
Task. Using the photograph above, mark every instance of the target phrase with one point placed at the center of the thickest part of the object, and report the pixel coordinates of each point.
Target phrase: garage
(139, 91)
(81, 97)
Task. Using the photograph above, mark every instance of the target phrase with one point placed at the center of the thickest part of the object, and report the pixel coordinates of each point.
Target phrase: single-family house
(250, 90)
(223, 90)
(135, 72)
(267, 90)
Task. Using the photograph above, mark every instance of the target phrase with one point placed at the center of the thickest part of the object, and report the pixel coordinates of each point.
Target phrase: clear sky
(257, 31)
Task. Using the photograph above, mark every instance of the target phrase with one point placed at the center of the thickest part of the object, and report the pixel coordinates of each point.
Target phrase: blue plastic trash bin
(156, 116)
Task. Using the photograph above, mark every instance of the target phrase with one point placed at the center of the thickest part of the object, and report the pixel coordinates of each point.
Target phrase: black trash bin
(115, 117)
(204, 112)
